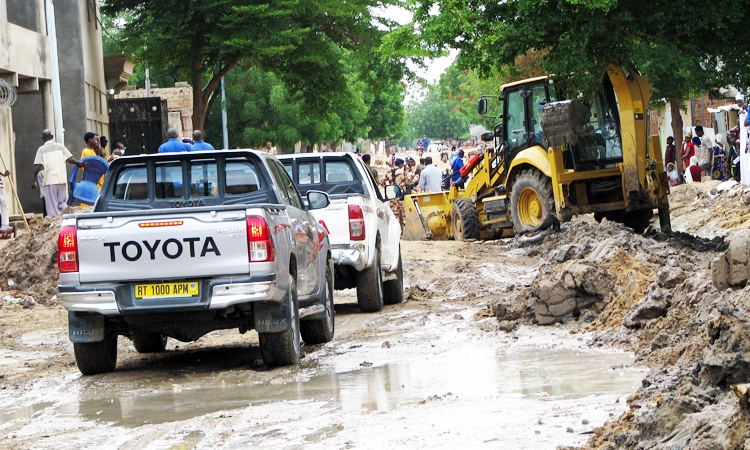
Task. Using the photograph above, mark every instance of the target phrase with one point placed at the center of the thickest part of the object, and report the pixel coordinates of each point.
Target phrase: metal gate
(139, 123)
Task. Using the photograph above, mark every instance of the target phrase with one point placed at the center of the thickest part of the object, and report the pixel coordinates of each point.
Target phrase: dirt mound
(711, 208)
(28, 264)
(652, 294)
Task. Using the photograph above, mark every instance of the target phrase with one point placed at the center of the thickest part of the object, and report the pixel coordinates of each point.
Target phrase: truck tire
(370, 286)
(531, 200)
(283, 349)
(464, 220)
(150, 342)
(96, 357)
(393, 290)
(319, 331)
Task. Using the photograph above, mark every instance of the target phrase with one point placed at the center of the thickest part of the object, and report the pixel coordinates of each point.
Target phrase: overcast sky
(435, 67)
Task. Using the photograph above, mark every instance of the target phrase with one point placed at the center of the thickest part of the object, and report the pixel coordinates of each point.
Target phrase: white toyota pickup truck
(364, 233)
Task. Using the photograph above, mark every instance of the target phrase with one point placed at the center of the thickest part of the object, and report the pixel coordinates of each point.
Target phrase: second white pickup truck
(364, 233)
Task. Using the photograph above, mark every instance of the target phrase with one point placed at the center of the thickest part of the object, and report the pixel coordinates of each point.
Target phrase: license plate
(162, 290)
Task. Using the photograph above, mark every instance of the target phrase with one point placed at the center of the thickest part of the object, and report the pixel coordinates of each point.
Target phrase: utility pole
(56, 95)
(224, 115)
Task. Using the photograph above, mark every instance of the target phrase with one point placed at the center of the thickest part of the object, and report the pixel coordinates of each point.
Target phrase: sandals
(7, 233)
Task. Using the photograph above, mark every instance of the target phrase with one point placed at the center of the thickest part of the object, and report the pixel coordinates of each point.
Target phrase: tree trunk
(674, 106)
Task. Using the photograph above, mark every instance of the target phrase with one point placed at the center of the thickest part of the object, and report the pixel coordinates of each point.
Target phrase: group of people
(410, 177)
(702, 158)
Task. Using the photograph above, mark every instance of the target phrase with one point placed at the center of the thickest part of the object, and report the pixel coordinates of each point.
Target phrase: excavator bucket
(427, 217)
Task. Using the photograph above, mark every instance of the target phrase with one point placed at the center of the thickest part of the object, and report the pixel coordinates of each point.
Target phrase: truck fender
(85, 328)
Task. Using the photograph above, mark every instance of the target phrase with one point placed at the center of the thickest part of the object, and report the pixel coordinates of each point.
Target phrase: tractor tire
(320, 331)
(531, 200)
(464, 220)
(283, 348)
(393, 290)
(370, 286)
(150, 342)
(96, 357)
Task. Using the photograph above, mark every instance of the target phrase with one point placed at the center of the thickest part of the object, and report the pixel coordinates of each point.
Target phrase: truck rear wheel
(393, 290)
(531, 200)
(96, 357)
(150, 342)
(464, 220)
(319, 331)
(283, 348)
(370, 286)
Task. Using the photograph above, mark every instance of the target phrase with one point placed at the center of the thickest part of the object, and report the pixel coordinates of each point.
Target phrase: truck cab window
(204, 180)
(132, 183)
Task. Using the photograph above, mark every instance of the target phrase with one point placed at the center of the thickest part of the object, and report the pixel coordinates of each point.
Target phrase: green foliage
(676, 44)
(306, 44)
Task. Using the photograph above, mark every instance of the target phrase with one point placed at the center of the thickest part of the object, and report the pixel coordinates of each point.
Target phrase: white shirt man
(430, 178)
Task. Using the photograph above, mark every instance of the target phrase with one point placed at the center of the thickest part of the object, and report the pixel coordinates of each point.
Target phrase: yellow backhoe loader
(552, 159)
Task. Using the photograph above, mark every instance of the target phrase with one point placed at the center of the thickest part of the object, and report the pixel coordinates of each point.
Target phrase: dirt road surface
(464, 362)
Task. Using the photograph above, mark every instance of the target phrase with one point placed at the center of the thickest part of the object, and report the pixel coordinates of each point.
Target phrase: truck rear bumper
(115, 299)
(349, 256)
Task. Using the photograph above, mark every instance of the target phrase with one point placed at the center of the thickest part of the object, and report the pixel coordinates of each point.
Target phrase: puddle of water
(466, 372)
(23, 411)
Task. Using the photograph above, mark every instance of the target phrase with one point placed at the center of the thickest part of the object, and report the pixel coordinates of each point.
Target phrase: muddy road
(593, 337)
(433, 372)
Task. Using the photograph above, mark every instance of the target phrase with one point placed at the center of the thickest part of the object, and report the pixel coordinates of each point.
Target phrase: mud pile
(711, 208)
(654, 295)
(28, 263)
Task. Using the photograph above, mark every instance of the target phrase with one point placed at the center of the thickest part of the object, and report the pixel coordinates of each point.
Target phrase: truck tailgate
(166, 246)
(336, 220)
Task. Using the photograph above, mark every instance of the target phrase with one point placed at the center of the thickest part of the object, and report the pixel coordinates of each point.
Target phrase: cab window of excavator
(538, 100)
(515, 120)
(600, 140)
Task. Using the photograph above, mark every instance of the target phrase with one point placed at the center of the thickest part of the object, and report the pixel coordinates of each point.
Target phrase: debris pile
(654, 295)
(28, 264)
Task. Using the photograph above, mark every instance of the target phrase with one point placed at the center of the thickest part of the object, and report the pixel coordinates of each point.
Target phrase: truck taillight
(67, 250)
(259, 242)
(356, 223)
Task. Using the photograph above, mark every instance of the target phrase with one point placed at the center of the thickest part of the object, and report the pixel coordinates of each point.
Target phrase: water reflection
(465, 372)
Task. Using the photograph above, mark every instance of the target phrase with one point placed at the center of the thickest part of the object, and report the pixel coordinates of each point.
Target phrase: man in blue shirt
(173, 144)
(198, 143)
(458, 163)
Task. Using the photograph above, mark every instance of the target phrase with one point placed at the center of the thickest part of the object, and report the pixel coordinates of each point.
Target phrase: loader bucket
(427, 217)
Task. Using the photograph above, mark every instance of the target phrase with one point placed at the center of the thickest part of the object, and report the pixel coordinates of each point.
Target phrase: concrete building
(25, 63)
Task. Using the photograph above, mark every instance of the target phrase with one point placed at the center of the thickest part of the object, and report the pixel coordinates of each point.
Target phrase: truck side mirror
(390, 192)
(487, 136)
(482, 106)
(317, 199)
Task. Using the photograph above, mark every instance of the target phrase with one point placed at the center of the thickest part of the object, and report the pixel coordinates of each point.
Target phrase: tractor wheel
(531, 200)
(464, 220)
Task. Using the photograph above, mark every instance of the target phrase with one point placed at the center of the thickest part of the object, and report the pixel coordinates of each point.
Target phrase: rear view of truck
(181, 246)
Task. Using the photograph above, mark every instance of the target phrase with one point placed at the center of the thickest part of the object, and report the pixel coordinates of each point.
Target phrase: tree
(300, 41)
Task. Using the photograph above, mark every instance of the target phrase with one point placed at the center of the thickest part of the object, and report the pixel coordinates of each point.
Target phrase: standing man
(5, 230)
(430, 178)
(397, 176)
(270, 149)
(198, 143)
(669, 156)
(458, 163)
(373, 171)
(173, 144)
(705, 152)
(93, 148)
(51, 157)
(103, 146)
